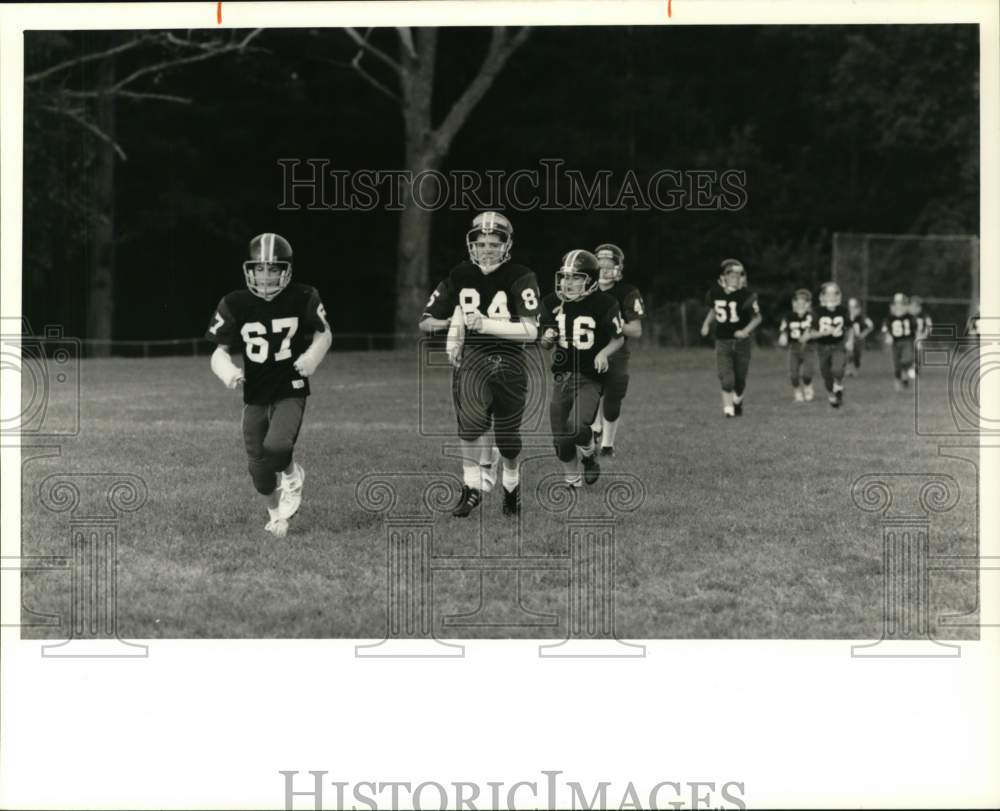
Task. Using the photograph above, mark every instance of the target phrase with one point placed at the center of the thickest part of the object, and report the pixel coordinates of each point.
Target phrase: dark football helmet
(830, 295)
(612, 261)
(733, 276)
(578, 276)
(268, 271)
(490, 256)
(801, 301)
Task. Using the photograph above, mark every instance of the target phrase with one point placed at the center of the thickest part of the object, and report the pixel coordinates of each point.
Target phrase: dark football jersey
(860, 324)
(835, 323)
(510, 292)
(271, 335)
(796, 326)
(733, 311)
(924, 323)
(631, 305)
(585, 327)
(900, 327)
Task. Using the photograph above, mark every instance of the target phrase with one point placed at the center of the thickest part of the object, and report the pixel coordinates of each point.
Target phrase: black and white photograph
(392, 333)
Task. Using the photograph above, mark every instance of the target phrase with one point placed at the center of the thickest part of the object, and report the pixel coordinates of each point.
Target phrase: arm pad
(524, 330)
(223, 366)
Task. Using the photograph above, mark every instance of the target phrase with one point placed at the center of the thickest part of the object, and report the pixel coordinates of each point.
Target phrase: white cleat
(809, 393)
(911, 373)
(799, 398)
(278, 527)
(291, 492)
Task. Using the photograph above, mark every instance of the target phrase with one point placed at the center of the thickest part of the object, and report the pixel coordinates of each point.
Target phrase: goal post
(943, 269)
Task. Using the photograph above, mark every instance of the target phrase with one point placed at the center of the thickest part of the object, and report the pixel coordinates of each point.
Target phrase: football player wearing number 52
(736, 313)
(281, 330)
(489, 305)
(585, 327)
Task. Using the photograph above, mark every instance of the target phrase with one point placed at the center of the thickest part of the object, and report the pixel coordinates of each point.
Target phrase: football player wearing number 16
(737, 314)
(585, 325)
(490, 307)
(282, 332)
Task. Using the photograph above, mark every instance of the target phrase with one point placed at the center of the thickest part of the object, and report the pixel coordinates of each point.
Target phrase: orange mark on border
(218, 13)
(669, 10)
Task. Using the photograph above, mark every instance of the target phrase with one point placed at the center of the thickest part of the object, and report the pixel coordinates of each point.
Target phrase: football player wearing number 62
(281, 330)
(489, 305)
(736, 313)
(834, 338)
(585, 326)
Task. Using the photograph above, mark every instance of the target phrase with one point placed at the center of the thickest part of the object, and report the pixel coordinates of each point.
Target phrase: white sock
(598, 423)
(610, 429)
(572, 470)
(737, 399)
(837, 386)
(511, 478)
(727, 400)
(588, 449)
(472, 475)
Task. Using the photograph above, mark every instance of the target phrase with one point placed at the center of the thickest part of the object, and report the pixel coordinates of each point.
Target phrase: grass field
(747, 528)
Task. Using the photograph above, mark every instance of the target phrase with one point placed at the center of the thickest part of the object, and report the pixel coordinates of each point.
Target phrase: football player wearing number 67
(281, 330)
(736, 313)
(585, 327)
(834, 338)
(489, 305)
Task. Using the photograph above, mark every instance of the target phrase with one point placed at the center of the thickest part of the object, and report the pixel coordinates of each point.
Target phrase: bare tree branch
(378, 53)
(126, 94)
(497, 55)
(356, 64)
(70, 63)
(77, 116)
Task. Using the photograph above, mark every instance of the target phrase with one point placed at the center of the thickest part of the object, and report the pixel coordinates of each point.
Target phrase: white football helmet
(489, 254)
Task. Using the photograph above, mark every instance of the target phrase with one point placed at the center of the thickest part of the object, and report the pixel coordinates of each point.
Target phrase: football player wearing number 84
(736, 314)
(585, 327)
(489, 305)
(281, 330)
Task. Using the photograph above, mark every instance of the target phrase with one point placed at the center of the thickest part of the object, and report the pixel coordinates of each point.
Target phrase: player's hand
(235, 380)
(303, 366)
(740, 334)
(455, 357)
(888, 340)
(783, 340)
(704, 330)
(601, 362)
(549, 337)
(474, 320)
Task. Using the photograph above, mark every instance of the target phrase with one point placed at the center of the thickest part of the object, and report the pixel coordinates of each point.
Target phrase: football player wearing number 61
(281, 330)
(585, 326)
(900, 330)
(736, 313)
(489, 305)
(834, 337)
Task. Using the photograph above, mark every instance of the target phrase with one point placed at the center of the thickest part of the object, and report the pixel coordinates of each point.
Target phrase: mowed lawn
(747, 527)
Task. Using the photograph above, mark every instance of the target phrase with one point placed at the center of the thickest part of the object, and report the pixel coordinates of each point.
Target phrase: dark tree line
(139, 201)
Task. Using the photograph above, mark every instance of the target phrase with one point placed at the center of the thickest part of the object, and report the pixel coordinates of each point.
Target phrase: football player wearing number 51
(585, 327)
(736, 314)
(281, 330)
(489, 305)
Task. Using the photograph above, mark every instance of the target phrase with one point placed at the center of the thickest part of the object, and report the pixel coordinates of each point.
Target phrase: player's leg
(741, 369)
(794, 366)
(279, 445)
(615, 388)
(510, 395)
(825, 368)
(598, 425)
(471, 398)
(262, 471)
(585, 404)
(907, 358)
(727, 375)
(838, 363)
(808, 372)
(563, 435)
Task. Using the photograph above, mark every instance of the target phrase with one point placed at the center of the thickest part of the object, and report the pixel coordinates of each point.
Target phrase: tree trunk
(101, 259)
(412, 276)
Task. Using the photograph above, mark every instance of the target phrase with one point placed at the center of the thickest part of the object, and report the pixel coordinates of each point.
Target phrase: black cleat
(512, 501)
(840, 397)
(591, 469)
(834, 401)
(468, 502)
(608, 453)
(906, 382)
(738, 409)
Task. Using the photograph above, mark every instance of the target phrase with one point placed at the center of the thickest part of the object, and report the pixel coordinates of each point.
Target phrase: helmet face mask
(830, 295)
(269, 269)
(900, 305)
(489, 241)
(578, 277)
(611, 259)
(801, 302)
(733, 276)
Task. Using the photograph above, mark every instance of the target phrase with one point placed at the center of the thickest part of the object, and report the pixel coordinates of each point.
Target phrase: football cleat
(840, 397)
(591, 468)
(728, 412)
(911, 373)
(468, 502)
(291, 491)
(573, 483)
(808, 392)
(799, 397)
(738, 409)
(512, 501)
(607, 453)
(834, 402)
(906, 382)
(277, 525)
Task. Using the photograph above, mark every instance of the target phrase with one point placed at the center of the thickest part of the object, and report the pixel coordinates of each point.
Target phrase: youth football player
(490, 306)
(611, 259)
(794, 333)
(862, 326)
(834, 339)
(900, 331)
(585, 327)
(736, 313)
(281, 330)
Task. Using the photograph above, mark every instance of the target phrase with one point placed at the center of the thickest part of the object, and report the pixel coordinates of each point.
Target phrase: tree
(84, 89)
(425, 145)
